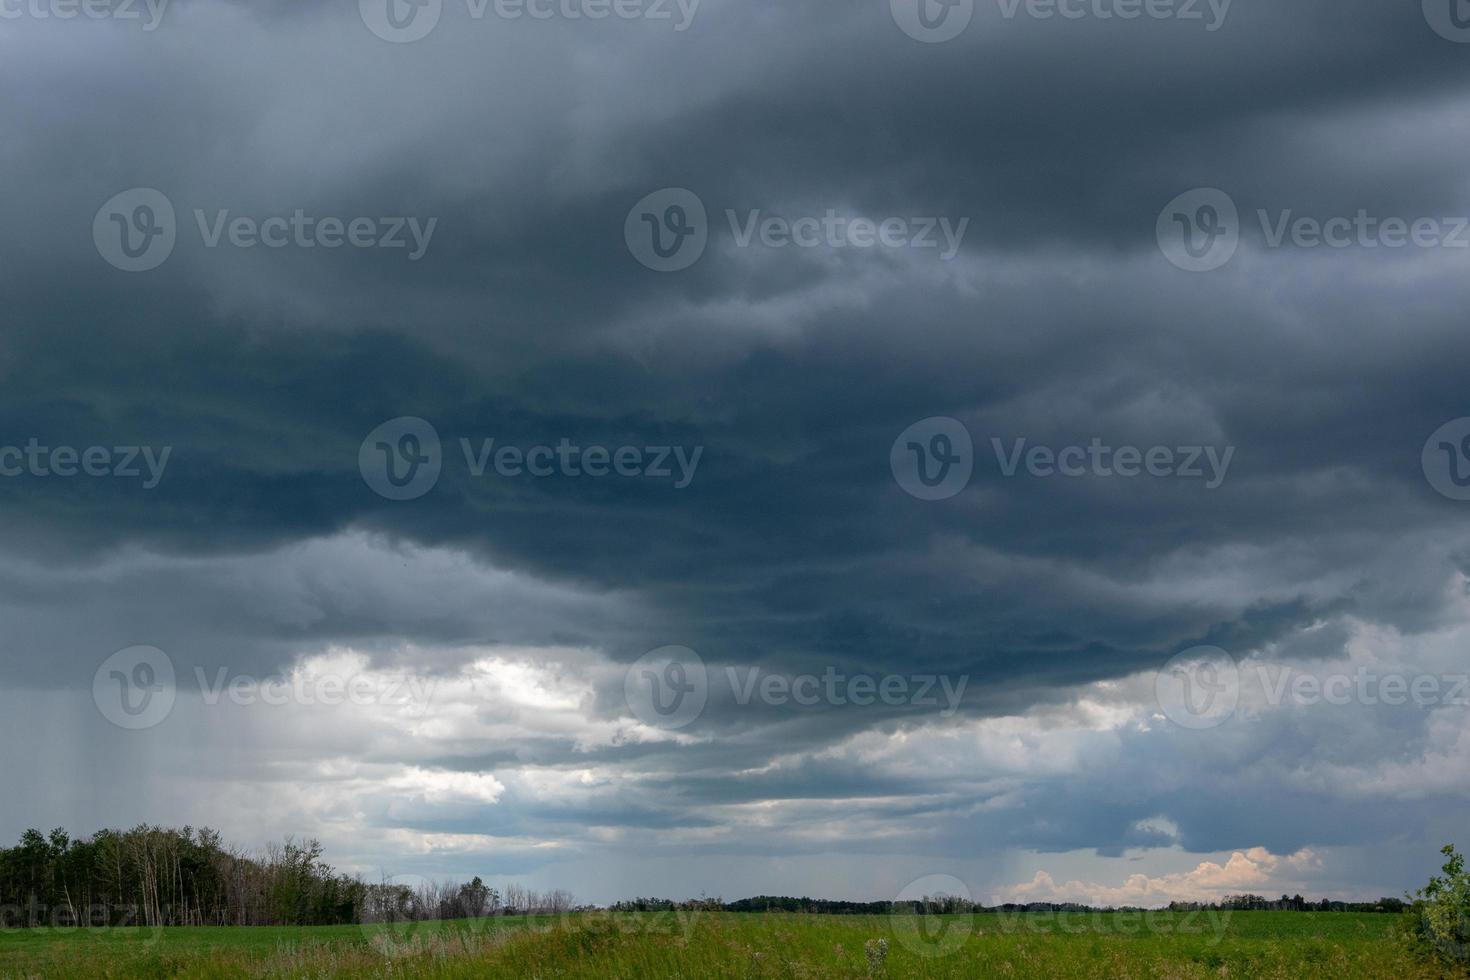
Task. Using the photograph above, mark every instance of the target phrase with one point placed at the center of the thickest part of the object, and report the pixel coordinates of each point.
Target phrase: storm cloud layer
(765, 514)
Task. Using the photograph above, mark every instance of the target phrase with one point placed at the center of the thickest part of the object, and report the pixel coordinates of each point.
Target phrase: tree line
(397, 902)
(161, 876)
(950, 905)
(1291, 903)
(157, 876)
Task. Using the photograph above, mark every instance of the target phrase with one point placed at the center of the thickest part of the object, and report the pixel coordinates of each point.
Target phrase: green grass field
(1159, 946)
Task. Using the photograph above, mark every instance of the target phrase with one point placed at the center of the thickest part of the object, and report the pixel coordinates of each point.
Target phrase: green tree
(1442, 907)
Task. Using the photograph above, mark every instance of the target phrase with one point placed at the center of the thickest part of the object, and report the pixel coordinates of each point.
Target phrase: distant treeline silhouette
(156, 876)
(949, 905)
(159, 876)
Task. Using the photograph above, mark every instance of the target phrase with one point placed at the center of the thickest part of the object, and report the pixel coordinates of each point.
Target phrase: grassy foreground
(1159, 946)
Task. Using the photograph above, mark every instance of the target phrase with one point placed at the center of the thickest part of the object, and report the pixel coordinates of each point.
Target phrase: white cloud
(1256, 871)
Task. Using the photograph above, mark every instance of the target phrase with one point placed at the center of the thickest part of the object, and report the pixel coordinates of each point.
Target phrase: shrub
(1440, 912)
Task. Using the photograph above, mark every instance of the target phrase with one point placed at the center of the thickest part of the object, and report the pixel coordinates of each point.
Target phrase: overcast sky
(854, 351)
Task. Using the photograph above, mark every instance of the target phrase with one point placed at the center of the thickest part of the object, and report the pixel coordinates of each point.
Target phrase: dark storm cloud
(793, 547)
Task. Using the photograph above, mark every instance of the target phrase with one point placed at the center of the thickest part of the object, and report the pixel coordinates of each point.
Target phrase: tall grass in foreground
(720, 945)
